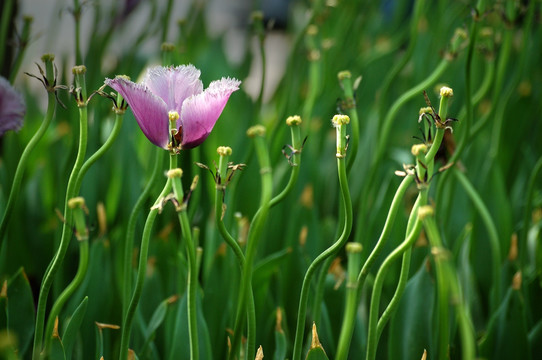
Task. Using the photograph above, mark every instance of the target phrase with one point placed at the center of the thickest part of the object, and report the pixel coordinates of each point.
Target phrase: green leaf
(316, 351)
(507, 337)
(317, 354)
(21, 314)
(411, 328)
(57, 349)
(180, 349)
(281, 344)
(156, 320)
(70, 333)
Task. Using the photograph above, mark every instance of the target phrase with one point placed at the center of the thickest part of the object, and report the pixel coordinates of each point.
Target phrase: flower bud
(256, 130)
(79, 70)
(224, 150)
(340, 120)
(293, 120)
(345, 74)
(446, 92)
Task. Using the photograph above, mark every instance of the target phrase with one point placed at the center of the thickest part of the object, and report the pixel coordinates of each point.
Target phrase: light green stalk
(71, 192)
(340, 122)
(252, 241)
(17, 179)
(192, 281)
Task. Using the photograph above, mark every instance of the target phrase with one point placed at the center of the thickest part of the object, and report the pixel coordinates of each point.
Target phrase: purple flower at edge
(166, 90)
(12, 108)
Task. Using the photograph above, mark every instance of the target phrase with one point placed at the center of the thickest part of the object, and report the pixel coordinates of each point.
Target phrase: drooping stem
(71, 192)
(17, 179)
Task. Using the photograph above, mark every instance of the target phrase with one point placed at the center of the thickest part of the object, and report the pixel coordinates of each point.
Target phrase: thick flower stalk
(166, 90)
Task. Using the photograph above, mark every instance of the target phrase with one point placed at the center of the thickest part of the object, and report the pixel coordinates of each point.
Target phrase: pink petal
(173, 84)
(149, 110)
(12, 107)
(200, 112)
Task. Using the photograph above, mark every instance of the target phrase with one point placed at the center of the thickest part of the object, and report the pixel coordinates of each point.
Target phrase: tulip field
(290, 179)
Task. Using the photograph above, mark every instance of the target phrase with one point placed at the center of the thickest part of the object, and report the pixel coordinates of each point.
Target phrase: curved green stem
(493, 235)
(17, 179)
(102, 150)
(68, 291)
(130, 229)
(372, 338)
(71, 191)
(449, 293)
(336, 246)
(252, 241)
(143, 254)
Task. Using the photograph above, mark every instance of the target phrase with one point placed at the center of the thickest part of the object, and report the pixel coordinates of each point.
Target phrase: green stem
(102, 150)
(403, 277)
(333, 249)
(493, 236)
(295, 162)
(252, 241)
(66, 236)
(130, 230)
(390, 219)
(372, 338)
(17, 179)
(143, 254)
(192, 281)
(353, 252)
(68, 291)
(449, 292)
(219, 194)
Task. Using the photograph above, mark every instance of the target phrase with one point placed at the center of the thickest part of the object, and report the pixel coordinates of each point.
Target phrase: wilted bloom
(175, 93)
(12, 107)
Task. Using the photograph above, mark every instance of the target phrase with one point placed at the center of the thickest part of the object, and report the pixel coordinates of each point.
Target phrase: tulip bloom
(175, 93)
(12, 107)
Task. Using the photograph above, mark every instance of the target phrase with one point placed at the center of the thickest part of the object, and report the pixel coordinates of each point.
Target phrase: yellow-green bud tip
(28, 18)
(173, 116)
(256, 130)
(79, 70)
(345, 74)
(76, 202)
(340, 120)
(167, 46)
(353, 247)
(426, 110)
(293, 120)
(125, 77)
(446, 91)
(224, 150)
(47, 57)
(418, 149)
(425, 211)
(174, 173)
